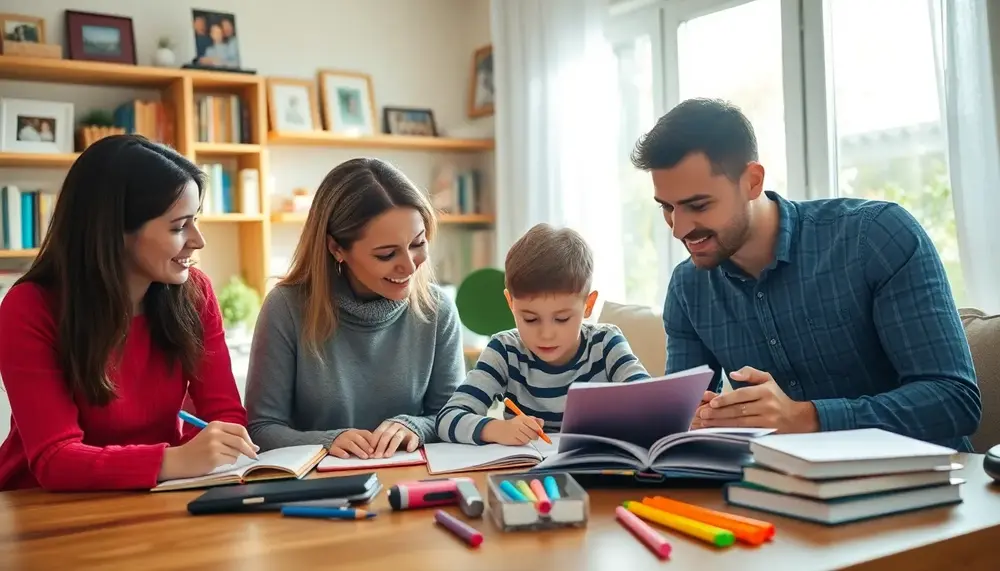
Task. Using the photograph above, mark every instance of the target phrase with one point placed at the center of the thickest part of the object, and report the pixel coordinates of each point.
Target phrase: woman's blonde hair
(350, 196)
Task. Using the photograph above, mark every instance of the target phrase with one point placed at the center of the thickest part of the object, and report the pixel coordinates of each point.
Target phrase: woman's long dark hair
(114, 187)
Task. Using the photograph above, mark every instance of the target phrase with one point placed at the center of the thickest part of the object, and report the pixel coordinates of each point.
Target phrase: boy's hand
(517, 431)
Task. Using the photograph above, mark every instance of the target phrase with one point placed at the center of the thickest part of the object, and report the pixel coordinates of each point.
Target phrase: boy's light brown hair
(547, 260)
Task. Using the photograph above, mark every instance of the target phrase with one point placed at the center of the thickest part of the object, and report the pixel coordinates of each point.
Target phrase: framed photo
(348, 102)
(481, 88)
(292, 105)
(409, 121)
(20, 28)
(100, 37)
(215, 41)
(31, 126)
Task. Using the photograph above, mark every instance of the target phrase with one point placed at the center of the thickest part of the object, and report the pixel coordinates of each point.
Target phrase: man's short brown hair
(547, 260)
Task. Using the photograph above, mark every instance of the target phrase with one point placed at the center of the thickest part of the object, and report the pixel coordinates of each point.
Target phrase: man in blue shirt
(828, 314)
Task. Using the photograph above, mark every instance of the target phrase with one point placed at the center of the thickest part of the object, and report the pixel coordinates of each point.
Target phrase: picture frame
(481, 90)
(22, 28)
(348, 102)
(36, 126)
(216, 43)
(410, 121)
(292, 105)
(100, 37)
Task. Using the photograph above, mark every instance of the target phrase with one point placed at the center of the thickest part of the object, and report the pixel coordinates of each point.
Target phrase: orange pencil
(513, 408)
(747, 530)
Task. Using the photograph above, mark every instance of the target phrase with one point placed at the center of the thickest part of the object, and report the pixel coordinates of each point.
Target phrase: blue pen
(192, 419)
(326, 513)
(513, 493)
(551, 488)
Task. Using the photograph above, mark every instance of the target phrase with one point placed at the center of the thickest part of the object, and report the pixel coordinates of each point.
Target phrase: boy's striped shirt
(507, 368)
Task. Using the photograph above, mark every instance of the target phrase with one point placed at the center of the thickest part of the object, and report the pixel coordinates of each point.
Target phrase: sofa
(643, 327)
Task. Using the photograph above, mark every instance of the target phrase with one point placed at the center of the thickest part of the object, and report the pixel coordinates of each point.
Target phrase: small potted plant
(239, 304)
(164, 56)
(96, 125)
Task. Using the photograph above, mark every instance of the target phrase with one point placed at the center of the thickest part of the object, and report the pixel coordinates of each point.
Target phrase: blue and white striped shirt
(508, 369)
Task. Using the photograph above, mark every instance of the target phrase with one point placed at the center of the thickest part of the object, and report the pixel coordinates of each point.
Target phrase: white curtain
(556, 115)
(966, 75)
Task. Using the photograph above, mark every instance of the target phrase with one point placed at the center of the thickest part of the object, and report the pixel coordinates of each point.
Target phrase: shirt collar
(788, 225)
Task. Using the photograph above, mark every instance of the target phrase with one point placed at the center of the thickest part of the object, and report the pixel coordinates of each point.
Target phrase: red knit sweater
(61, 443)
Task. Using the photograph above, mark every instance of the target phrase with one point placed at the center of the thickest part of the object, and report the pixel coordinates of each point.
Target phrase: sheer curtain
(966, 77)
(556, 114)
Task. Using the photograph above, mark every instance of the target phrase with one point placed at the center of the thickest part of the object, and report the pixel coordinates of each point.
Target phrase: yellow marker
(525, 489)
(708, 533)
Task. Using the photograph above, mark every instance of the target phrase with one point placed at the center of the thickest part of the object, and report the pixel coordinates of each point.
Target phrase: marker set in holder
(535, 501)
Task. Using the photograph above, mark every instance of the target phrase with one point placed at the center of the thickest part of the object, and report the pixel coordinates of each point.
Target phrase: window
(640, 219)
(735, 53)
(891, 142)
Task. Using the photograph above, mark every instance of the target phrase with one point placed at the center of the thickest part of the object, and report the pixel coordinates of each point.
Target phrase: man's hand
(761, 405)
(705, 399)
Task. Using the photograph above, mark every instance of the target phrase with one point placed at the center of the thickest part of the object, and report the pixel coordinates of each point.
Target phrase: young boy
(548, 276)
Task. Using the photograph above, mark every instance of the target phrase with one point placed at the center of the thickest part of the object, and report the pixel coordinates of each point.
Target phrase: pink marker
(467, 533)
(653, 540)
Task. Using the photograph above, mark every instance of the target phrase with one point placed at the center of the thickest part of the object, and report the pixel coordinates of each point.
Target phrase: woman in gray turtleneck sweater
(356, 349)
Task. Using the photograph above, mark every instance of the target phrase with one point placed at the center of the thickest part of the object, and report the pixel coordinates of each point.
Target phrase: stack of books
(845, 476)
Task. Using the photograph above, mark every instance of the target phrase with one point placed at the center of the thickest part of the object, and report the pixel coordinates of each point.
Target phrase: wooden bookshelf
(397, 142)
(18, 254)
(180, 88)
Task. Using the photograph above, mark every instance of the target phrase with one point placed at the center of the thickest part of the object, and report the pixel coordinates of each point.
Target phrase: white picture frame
(36, 126)
(348, 103)
(292, 106)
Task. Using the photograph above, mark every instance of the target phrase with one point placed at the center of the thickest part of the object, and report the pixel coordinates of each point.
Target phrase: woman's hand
(217, 444)
(353, 441)
(390, 436)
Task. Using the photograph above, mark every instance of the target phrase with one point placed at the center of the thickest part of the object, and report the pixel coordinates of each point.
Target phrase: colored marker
(513, 493)
(544, 504)
(653, 540)
(513, 408)
(467, 533)
(708, 533)
(192, 419)
(551, 488)
(469, 499)
(525, 490)
(326, 513)
(747, 530)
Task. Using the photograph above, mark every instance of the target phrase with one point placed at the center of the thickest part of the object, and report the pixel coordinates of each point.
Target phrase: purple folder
(640, 412)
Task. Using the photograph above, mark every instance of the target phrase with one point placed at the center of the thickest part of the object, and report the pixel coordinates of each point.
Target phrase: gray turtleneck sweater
(382, 363)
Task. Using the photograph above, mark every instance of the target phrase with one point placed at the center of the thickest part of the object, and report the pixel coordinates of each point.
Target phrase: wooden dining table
(153, 531)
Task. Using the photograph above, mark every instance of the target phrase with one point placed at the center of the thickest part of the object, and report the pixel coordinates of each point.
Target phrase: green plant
(165, 42)
(98, 118)
(239, 303)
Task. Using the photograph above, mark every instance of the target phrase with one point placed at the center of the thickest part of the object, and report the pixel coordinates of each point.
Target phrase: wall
(419, 53)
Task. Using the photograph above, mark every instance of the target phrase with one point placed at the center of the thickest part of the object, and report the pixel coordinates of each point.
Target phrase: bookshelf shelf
(18, 254)
(100, 73)
(225, 149)
(399, 142)
(37, 160)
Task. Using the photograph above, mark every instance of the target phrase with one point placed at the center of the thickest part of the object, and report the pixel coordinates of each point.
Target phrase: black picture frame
(387, 122)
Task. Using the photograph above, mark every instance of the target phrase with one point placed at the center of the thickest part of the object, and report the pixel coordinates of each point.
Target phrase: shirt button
(792, 383)
(774, 341)
(760, 295)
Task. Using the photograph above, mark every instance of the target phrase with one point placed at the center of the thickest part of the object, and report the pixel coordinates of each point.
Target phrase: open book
(643, 427)
(278, 464)
(404, 458)
(447, 458)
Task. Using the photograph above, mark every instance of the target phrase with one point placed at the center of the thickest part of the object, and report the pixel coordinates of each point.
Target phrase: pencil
(513, 408)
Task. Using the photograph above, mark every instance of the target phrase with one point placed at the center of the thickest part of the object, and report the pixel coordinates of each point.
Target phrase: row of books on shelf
(222, 119)
(24, 217)
(151, 119)
(457, 258)
(458, 191)
(229, 194)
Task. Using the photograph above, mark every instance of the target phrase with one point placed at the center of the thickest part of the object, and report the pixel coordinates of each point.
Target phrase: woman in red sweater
(110, 329)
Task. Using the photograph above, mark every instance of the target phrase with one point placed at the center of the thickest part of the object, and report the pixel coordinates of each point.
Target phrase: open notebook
(447, 458)
(277, 464)
(334, 464)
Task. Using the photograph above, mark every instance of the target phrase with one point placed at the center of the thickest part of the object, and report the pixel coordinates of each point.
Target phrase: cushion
(983, 333)
(643, 329)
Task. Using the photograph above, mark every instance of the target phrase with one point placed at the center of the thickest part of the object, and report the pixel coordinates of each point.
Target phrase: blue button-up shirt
(854, 314)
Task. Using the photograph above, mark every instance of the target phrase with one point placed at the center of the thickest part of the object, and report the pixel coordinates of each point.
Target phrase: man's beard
(728, 242)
